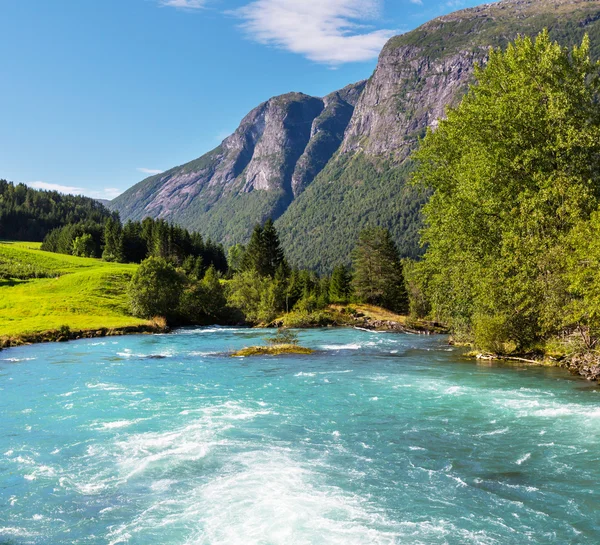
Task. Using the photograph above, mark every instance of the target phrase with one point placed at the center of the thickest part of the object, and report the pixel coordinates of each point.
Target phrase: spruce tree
(113, 241)
(378, 277)
(273, 253)
(263, 254)
(340, 286)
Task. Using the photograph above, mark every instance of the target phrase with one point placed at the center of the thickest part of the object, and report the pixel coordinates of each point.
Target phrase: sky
(96, 95)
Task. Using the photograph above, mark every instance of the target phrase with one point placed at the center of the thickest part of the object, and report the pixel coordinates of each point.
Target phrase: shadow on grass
(9, 283)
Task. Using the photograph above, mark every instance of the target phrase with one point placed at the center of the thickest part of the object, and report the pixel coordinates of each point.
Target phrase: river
(377, 438)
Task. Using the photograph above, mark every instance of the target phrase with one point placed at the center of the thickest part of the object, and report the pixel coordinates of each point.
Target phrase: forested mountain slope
(328, 167)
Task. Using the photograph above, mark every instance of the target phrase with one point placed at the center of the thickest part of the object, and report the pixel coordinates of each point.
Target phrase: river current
(377, 438)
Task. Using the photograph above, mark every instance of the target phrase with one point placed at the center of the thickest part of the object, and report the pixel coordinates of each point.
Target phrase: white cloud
(326, 31)
(183, 4)
(105, 193)
(56, 187)
(150, 171)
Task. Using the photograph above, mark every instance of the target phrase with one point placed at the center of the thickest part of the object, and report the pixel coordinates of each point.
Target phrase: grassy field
(60, 290)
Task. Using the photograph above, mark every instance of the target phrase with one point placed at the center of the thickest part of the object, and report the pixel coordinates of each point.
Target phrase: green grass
(81, 293)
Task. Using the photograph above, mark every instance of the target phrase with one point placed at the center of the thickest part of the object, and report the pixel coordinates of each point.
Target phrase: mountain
(327, 167)
(255, 173)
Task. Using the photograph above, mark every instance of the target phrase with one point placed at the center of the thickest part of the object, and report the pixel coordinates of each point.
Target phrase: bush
(156, 289)
(283, 336)
(491, 334)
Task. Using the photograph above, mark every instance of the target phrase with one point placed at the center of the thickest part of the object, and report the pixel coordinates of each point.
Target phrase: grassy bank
(43, 292)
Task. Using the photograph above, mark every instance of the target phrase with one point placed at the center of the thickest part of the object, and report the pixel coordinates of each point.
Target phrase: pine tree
(113, 241)
(263, 254)
(378, 277)
(135, 249)
(340, 286)
(273, 255)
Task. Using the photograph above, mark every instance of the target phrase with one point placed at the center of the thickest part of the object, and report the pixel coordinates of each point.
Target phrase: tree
(235, 255)
(340, 286)
(216, 301)
(378, 277)
(113, 241)
(135, 249)
(283, 336)
(273, 256)
(83, 246)
(263, 253)
(156, 289)
(254, 295)
(513, 170)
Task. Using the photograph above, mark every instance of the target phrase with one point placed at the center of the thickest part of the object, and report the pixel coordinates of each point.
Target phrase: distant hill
(327, 167)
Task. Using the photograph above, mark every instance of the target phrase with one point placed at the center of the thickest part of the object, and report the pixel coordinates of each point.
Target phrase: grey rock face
(407, 93)
(280, 146)
(326, 135)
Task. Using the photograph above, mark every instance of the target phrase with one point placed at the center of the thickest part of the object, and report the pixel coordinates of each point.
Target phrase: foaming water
(376, 438)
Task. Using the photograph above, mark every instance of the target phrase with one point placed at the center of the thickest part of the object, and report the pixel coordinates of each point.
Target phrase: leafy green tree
(235, 255)
(156, 289)
(582, 273)
(378, 277)
(513, 170)
(340, 286)
(216, 301)
(83, 246)
(254, 296)
(204, 302)
(283, 336)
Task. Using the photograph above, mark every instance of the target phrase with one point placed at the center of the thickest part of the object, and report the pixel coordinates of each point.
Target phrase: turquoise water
(378, 438)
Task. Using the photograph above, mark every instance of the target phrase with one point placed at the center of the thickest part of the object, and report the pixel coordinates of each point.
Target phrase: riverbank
(357, 315)
(67, 334)
(583, 364)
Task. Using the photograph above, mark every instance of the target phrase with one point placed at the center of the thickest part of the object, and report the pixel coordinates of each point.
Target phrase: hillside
(30, 214)
(56, 290)
(327, 167)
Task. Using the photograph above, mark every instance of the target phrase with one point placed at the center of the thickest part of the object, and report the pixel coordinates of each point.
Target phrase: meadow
(42, 291)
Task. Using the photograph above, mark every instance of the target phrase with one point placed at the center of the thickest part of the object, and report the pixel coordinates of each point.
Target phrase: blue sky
(97, 94)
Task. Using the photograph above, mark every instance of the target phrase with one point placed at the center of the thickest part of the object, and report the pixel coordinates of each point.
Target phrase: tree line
(28, 214)
(260, 286)
(136, 241)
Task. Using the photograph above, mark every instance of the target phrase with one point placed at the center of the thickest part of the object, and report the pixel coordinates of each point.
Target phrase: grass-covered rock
(272, 350)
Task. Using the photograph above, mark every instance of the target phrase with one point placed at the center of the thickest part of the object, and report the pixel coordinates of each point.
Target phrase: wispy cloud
(56, 187)
(183, 4)
(326, 31)
(105, 193)
(150, 171)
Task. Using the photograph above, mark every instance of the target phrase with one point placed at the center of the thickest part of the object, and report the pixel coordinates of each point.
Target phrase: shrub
(155, 289)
